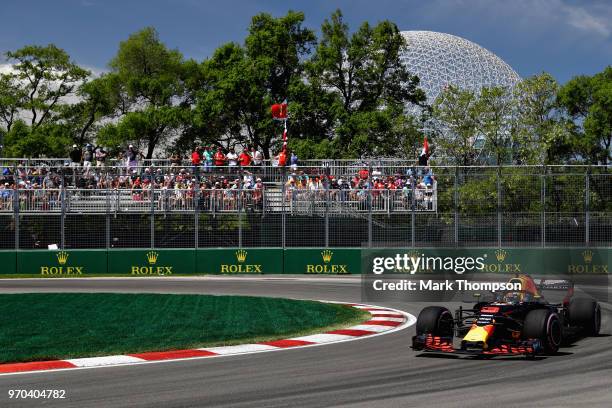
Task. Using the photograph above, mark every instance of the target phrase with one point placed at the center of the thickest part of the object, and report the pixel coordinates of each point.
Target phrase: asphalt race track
(378, 372)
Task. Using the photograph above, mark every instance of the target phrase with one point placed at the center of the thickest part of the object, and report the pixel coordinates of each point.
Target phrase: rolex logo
(62, 257)
(152, 257)
(500, 254)
(241, 255)
(587, 256)
(327, 255)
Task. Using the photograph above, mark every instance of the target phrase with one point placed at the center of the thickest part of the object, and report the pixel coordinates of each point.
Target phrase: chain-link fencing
(390, 205)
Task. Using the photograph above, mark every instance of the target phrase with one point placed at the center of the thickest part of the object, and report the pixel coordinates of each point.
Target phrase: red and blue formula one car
(511, 323)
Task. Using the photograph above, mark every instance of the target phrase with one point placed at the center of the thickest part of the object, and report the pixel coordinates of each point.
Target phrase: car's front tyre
(435, 320)
(543, 325)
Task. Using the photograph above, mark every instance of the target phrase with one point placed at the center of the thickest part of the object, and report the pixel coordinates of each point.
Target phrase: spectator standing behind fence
(219, 158)
(257, 156)
(137, 190)
(88, 156)
(232, 160)
(75, 156)
(364, 173)
(293, 161)
(196, 160)
(207, 157)
(281, 158)
(423, 159)
(47, 182)
(100, 154)
(176, 160)
(428, 178)
(245, 158)
(131, 157)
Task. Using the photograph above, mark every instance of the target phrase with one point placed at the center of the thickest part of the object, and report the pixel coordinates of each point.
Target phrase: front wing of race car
(439, 344)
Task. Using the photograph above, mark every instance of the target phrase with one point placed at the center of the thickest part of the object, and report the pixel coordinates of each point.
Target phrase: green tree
(493, 112)
(370, 84)
(587, 100)
(237, 85)
(45, 76)
(150, 91)
(455, 123)
(540, 134)
(12, 99)
(99, 98)
(46, 140)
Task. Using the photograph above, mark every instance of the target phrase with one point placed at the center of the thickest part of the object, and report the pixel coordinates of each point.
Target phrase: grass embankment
(44, 326)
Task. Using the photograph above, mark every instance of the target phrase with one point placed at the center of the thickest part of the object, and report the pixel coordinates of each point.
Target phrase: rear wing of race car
(555, 284)
(558, 285)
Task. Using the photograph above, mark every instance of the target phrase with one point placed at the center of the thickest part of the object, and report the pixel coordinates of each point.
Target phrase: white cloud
(583, 19)
(588, 17)
(5, 68)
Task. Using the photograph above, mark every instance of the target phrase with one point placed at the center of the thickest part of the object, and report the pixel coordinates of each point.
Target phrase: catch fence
(506, 206)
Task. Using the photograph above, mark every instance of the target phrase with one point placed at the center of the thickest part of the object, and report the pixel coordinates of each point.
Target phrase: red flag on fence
(279, 111)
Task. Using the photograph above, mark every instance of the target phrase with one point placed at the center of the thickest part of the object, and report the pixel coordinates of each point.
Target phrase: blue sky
(563, 37)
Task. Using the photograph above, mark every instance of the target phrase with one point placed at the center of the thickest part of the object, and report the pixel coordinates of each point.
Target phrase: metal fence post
(107, 215)
(412, 209)
(152, 197)
(283, 209)
(196, 213)
(326, 186)
(499, 208)
(456, 207)
(543, 215)
(63, 218)
(370, 204)
(240, 208)
(16, 205)
(587, 199)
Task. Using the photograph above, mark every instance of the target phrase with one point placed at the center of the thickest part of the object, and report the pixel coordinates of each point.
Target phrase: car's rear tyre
(435, 320)
(585, 313)
(544, 325)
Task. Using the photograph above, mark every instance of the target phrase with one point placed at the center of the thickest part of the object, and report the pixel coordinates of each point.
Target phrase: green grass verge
(44, 326)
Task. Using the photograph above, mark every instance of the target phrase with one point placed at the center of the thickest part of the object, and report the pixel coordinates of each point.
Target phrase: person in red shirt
(195, 157)
(377, 187)
(282, 158)
(219, 158)
(245, 158)
(364, 173)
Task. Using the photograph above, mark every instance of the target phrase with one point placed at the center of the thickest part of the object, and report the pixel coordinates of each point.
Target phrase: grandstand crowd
(220, 176)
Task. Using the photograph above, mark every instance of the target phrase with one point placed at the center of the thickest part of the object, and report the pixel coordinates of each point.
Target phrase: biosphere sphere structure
(442, 59)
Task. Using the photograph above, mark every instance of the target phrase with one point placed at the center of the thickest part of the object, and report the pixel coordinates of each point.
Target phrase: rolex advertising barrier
(239, 261)
(311, 261)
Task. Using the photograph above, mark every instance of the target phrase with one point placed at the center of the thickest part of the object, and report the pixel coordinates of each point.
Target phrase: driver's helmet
(513, 297)
(528, 291)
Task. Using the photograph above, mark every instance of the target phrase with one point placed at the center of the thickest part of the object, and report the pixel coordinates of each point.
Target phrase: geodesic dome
(440, 59)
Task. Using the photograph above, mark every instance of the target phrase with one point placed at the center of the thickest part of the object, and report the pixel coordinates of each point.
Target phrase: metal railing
(465, 206)
(230, 200)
